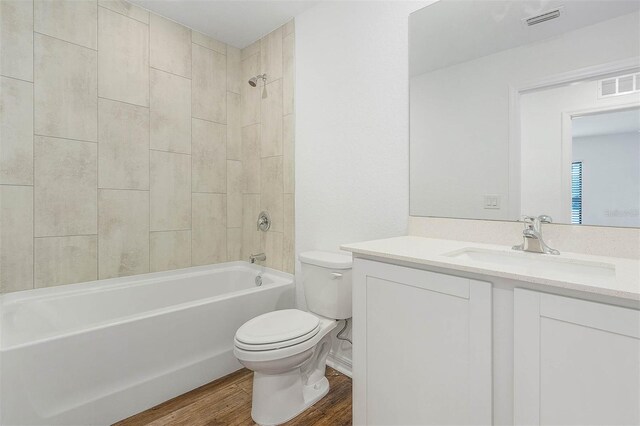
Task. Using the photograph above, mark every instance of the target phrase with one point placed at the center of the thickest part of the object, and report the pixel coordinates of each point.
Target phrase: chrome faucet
(532, 233)
(260, 257)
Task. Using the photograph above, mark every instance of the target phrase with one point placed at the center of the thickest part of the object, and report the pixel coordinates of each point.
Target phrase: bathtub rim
(285, 279)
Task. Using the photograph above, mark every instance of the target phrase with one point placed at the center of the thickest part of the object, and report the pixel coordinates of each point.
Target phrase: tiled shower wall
(122, 147)
(268, 147)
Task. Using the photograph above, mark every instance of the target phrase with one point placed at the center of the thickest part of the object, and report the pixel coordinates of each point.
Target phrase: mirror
(526, 108)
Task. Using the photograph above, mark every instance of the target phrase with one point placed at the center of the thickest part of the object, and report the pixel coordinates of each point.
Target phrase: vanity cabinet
(422, 347)
(575, 362)
(434, 348)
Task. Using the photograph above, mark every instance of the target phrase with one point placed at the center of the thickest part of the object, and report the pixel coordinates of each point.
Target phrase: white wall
(462, 114)
(352, 180)
(610, 178)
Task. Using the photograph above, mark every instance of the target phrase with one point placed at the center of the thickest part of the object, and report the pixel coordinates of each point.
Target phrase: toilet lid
(278, 326)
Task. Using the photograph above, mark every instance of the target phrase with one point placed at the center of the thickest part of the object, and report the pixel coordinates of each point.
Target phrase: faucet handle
(545, 219)
(529, 222)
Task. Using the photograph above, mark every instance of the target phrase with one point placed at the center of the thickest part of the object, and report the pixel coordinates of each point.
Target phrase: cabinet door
(575, 362)
(422, 347)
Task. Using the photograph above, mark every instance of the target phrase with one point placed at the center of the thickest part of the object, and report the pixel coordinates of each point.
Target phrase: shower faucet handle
(264, 222)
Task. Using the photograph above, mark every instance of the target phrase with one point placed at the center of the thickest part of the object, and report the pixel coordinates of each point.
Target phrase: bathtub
(95, 353)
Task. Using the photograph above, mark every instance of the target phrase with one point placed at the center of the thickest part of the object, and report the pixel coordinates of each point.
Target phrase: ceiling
(607, 123)
(450, 32)
(235, 22)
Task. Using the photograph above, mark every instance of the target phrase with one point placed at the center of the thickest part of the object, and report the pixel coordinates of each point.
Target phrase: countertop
(623, 283)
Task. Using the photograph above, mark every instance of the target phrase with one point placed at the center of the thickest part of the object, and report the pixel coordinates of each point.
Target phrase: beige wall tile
(65, 187)
(170, 112)
(235, 184)
(234, 244)
(123, 233)
(127, 9)
(208, 42)
(123, 146)
(272, 243)
(16, 238)
(209, 85)
(288, 77)
(288, 28)
(271, 54)
(16, 131)
(251, 239)
(209, 157)
(251, 158)
(250, 96)
(272, 120)
(250, 50)
(234, 126)
(70, 20)
(123, 58)
(288, 148)
(170, 183)
(234, 69)
(209, 241)
(271, 190)
(65, 91)
(16, 39)
(65, 260)
(288, 242)
(170, 46)
(170, 250)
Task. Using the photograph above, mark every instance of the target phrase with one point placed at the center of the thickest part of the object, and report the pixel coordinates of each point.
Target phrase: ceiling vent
(621, 85)
(543, 17)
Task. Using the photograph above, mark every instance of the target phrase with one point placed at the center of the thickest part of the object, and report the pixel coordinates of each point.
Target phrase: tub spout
(260, 257)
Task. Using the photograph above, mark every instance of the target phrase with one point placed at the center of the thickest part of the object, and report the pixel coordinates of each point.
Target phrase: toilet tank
(326, 279)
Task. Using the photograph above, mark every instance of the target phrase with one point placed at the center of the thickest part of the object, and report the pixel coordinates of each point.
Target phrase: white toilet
(287, 350)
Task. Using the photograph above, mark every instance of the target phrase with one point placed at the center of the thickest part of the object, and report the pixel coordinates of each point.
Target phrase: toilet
(287, 349)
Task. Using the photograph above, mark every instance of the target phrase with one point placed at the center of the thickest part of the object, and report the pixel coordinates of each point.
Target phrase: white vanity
(450, 332)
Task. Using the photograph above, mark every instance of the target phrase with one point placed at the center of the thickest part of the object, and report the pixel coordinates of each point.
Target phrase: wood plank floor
(227, 401)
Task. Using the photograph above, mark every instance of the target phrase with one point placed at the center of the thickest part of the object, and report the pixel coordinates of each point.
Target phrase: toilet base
(285, 397)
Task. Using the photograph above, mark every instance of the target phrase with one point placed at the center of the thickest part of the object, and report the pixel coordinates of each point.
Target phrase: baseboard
(340, 363)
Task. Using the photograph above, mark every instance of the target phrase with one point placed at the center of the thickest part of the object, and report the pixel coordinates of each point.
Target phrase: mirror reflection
(526, 108)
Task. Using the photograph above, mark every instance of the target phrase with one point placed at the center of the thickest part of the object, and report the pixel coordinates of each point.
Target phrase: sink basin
(532, 262)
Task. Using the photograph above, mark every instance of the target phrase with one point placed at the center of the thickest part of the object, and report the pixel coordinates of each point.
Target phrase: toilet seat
(254, 354)
(276, 330)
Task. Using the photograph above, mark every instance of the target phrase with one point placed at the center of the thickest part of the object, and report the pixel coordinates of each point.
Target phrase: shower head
(253, 81)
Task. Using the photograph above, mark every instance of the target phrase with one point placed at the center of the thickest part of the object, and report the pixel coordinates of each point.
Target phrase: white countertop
(625, 283)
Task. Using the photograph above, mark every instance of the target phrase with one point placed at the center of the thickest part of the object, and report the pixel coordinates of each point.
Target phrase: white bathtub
(95, 353)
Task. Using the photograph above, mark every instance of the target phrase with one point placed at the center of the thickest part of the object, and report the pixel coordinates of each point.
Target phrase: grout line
(100, 188)
(67, 139)
(149, 144)
(207, 47)
(65, 236)
(169, 72)
(208, 121)
(168, 152)
(33, 159)
(124, 102)
(16, 184)
(126, 16)
(273, 156)
(191, 160)
(97, 148)
(65, 41)
(15, 78)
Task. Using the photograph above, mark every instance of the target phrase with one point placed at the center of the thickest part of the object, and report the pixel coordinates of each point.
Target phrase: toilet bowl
(287, 349)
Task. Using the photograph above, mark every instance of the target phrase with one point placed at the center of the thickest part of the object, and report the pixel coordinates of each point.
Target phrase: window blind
(576, 192)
